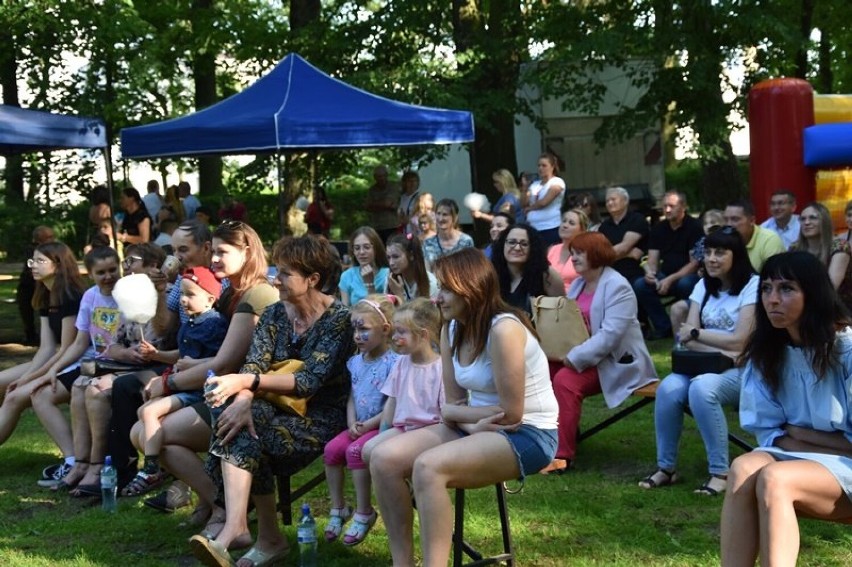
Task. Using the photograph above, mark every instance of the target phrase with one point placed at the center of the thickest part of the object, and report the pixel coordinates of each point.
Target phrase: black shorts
(67, 378)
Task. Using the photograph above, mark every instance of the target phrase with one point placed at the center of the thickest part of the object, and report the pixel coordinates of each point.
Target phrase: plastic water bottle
(109, 486)
(209, 387)
(307, 535)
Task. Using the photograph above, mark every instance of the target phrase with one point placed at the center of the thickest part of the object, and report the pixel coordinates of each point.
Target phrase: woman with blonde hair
(510, 198)
(816, 237)
(574, 222)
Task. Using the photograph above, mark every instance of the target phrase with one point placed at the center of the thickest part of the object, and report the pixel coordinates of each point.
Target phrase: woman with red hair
(614, 359)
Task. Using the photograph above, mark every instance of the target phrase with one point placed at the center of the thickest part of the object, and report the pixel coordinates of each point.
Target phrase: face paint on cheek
(363, 336)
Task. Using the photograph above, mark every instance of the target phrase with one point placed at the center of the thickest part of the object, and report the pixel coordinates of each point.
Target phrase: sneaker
(174, 497)
(53, 474)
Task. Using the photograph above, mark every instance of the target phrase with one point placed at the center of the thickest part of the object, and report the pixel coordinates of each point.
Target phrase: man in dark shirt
(627, 231)
(670, 270)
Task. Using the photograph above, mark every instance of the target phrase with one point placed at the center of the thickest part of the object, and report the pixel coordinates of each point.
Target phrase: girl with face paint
(369, 369)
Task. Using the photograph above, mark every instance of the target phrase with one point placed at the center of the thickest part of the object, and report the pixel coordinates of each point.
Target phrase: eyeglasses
(232, 224)
(522, 244)
(130, 259)
(40, 261)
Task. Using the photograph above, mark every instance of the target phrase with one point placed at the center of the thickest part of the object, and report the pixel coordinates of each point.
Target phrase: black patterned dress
(288, 442)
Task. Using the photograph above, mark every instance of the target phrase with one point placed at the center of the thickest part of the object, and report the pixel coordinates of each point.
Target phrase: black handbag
(100, 366)
(693, 363)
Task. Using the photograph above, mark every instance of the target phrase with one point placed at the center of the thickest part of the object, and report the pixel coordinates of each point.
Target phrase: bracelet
(255, 384)
(166, 388)
(170, 382)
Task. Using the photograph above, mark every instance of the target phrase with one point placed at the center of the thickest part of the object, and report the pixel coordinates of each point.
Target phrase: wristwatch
(694, 333)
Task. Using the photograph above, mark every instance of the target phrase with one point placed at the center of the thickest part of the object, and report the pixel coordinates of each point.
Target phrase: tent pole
(474, 185)
(110, 185)
(282, 174)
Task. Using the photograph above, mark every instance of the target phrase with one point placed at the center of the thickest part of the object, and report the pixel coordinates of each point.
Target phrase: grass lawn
(592, 516)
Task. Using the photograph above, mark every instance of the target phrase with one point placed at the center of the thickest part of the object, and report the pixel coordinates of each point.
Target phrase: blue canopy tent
(25, 131)
(297, 106)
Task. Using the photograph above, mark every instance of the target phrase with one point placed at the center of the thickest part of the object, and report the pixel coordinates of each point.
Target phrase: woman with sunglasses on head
(721, 318)
(574, 222)
(239, 256)
(796, 399)
(522, 268)
(449, 237)
(59, 289)
(614, 359)
(816, 237)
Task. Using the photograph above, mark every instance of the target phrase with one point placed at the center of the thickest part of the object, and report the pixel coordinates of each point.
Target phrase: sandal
(260, 558)
(659, 478)
(210, 552)
(714, 486)
(556, 466)
(143, 483)
(339, 516)
(359, 527)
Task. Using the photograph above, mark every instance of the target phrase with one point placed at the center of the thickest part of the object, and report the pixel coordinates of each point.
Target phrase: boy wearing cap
(199, 337)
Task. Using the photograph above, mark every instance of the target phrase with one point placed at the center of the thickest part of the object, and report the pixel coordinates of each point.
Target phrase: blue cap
(306, 508)
(107, 461)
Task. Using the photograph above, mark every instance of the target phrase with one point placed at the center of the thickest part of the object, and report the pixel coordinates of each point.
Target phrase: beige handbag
(560, 325)
(290, 404)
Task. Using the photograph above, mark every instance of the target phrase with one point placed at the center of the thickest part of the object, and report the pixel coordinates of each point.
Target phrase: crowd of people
(418, 368)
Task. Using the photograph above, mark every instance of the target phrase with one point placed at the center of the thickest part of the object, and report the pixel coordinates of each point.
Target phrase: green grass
(593, 516)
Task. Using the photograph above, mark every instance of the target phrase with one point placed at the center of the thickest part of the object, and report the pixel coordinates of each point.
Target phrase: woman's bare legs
(98, 413)
(269, 537)
(786, 488)
(45, 402)
(237, 483)
(391, 463)
(761, 504)
(185, 435)
(14, 405)
(11, 374)
(479, 460)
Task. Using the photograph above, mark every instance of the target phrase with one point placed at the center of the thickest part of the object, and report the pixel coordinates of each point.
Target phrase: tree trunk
(496, 74)
(805, 24)
(825, 74)
(13, 175)
(204, 78)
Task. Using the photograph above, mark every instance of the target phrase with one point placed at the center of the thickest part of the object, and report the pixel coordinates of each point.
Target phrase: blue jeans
(705, 395)
(649, 299)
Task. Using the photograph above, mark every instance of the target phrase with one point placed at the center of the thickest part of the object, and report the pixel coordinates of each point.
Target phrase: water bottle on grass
(109, 486)
(307, 535)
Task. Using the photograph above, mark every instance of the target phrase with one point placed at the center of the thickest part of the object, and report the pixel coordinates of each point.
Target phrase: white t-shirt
(540, 406)
(722, 313)
(548, 217)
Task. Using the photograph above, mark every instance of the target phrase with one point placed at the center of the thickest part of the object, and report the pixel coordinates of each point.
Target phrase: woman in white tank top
(499, 418)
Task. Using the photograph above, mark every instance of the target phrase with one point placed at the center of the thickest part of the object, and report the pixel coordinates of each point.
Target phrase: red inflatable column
(778, 111)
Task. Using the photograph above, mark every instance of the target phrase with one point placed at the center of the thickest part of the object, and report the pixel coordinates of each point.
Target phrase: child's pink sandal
(359, 527)
(335, 523)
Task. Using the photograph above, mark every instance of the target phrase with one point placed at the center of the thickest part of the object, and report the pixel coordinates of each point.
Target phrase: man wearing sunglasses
(761, 243)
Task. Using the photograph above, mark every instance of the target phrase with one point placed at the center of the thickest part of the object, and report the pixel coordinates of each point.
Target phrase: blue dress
(802, 400)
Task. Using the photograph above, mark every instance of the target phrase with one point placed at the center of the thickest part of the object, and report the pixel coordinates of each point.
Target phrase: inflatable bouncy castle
(801, 142)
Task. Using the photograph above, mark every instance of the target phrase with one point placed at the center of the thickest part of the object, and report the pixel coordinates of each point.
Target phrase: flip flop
(210, 552)
(260, 558)
(87, 491)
